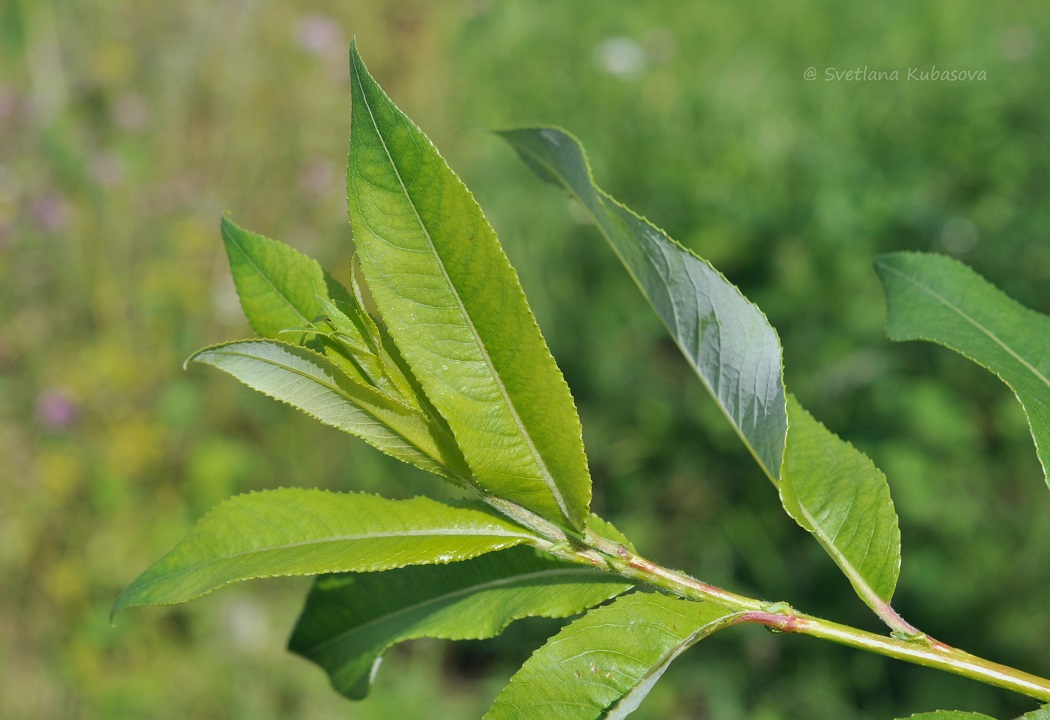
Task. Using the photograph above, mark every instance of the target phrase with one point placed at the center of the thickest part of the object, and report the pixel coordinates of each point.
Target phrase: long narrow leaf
(936, 298)
(604, 664)
(349, 621)
(294, 531)
(726, 339)
(309, 382)
(455, 309)
(826, 485)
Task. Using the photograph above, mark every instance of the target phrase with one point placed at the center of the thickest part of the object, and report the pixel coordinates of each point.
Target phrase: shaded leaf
(737, 354)
(455, 309)
(309, 382)
(936, 298)
(726, 339)
(835, 492)
(350, 620)
(294, 531)
(604, 664)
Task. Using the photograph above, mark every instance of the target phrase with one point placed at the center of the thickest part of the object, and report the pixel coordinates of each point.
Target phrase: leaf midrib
(546, 475)
(959, 311)
(480, 587)
(438, 532)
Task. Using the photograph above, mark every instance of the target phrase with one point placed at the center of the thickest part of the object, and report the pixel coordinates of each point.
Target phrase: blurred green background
(127, 128)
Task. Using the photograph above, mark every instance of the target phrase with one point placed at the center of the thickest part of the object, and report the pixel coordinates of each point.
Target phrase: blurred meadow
(128, 128)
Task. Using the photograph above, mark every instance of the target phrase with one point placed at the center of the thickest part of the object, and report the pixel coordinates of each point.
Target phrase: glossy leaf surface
(936, 298)
(604, 664)
(350, 620)
(311, 383)
(726, 339)
(294, 531)
(455, 309)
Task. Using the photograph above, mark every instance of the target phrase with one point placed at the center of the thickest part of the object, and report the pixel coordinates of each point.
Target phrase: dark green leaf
(455, 309)
(604, 664)
(936, 298)
(309, 382)
(350, 620)
(727, 339)
(309, 532)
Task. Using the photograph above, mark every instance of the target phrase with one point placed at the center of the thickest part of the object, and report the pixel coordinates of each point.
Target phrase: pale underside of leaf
(454, 306)
(350, 620)
(939, 299)
(309, 382)
(604, 664)
(309, 532)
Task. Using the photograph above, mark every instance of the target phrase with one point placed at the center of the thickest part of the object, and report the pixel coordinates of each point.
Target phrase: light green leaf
(936, 298)
(604, 664)
(455, 309)
(1042, 713)
(835, 492)
(726, 339)
(948, 715)
(737, 354)
(350, 620)
(278, 286)
(294, 531)
(309, 382)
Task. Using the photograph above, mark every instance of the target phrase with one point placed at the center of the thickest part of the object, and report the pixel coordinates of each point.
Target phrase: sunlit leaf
(936, 298)
(1042, 713)
(350, 620)
(726, 339)
(948, 715)
(455, 309)
(294, 531)
(309, 382)
(834, 491)
(604, 664)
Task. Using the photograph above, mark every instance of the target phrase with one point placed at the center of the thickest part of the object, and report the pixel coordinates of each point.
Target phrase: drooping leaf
(835, 492)
(349, 621)
(726, 339)
(309, 382)
(737, 354)
(295, 531)
(936, 298)
(604, 664)
(455, 309)
(948, 715)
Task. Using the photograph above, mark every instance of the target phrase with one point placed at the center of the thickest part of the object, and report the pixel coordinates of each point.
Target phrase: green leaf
(293, 531)
(949, 715)
(1042, 713)
(350, 620)
(936, 298)
(737, 355)
(278, 286)
(455, 309)
(309, 382)
(604, 664)
(835, 492)
(726, 339)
